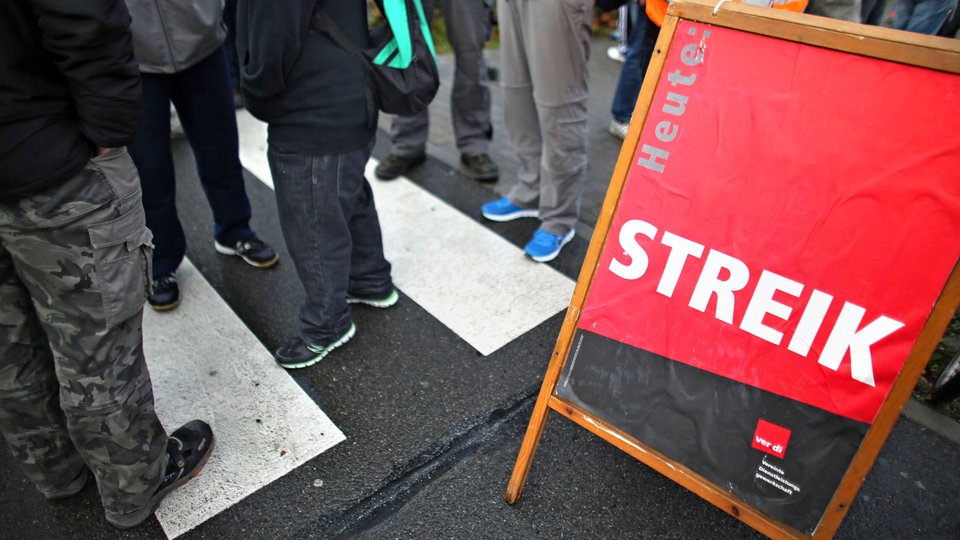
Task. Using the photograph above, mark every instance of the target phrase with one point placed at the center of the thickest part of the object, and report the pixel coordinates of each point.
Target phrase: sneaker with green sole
(299, 354)
(382, 302)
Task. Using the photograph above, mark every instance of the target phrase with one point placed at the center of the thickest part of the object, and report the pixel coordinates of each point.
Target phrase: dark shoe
(298, 354)
(188, 449)
(253, 250)
(394, 166)
(166, 294)
(480, 168)
(381, 302)
(71, 489)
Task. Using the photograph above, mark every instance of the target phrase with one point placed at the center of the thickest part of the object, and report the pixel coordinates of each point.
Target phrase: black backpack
(401, 66)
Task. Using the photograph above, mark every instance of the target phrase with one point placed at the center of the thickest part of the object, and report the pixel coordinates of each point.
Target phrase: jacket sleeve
(90, 41)
(269, 37)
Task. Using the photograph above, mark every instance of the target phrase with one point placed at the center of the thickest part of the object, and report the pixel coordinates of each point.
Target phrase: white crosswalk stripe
(205, 363)
(472, 280)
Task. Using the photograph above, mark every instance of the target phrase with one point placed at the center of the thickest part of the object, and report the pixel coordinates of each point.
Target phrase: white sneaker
(619, 130)
(615, 52)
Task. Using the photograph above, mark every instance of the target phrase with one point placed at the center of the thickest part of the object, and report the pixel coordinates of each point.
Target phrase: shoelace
(176, 462)
(164, 280)
(251, 244)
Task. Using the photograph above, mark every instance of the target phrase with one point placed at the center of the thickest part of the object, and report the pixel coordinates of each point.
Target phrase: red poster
(785, 230)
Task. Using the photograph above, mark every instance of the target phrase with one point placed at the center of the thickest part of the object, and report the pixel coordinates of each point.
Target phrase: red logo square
(771, 438)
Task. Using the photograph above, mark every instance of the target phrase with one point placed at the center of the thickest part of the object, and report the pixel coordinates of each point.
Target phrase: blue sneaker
(544, 247)
(504, 210)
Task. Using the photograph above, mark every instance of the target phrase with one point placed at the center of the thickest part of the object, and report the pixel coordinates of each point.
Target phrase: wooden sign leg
(539, 418)
(529, 447)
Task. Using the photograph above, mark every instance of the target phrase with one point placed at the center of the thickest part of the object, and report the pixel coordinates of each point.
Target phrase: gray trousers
(74, 387)
(468, 28)
(845, 10)
(544, 47)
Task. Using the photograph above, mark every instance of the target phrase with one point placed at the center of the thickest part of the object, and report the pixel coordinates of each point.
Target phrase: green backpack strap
(399, 52)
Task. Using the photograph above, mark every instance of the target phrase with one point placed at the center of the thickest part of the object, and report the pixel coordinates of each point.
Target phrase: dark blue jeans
(230, 45)
(641, 39)
(204, 104)
(923, 16)
(332, 230)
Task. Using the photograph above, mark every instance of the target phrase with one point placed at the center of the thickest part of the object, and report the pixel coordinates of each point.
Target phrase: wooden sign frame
(918, 50)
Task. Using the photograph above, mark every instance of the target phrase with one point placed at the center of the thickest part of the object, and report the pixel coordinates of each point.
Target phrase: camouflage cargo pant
(74, 388)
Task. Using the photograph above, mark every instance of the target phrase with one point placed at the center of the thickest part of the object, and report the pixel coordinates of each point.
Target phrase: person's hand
(101, 150)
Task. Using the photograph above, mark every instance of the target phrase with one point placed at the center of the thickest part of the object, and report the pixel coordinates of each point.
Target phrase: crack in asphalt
(458, 444)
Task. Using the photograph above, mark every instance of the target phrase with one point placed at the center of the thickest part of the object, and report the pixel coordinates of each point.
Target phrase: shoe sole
(416, 161)
(154, 503)
(224, 250)
(381, 304)
(511, 216)
(320, 356)
(164, 307)
(489, 177)
(553, 255)
(486, 179)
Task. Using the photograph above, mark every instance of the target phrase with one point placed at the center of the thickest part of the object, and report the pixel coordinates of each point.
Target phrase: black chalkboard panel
(708, 423)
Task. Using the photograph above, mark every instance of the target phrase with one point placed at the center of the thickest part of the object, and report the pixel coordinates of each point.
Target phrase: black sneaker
(298, 354)
(480, 167)
(394, 166)
(166, 293)
(188, 449)
(253, 250)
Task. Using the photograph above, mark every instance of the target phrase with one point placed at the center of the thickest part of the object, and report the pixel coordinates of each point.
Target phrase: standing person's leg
(922, 16)
(519, 115)
(202, 98)
(468, 25)
(201, 95)
(408, 134)
(872, 11)
(230, 47)
(153, 158)
(642, 40)
(845, 10)
(152, 155)
(557, 39)
(90, 312)
(902, 12)
(408, 145)
(30, 416)
(328, 218)
(370, 281)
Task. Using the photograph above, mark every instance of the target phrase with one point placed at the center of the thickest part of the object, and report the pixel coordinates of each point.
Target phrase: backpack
(400, 66)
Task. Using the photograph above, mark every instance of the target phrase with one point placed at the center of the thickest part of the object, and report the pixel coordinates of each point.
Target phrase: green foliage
(438, 29)
(945, 351)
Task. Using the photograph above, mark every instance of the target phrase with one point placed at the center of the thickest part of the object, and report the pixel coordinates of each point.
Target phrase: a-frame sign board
(775, 261)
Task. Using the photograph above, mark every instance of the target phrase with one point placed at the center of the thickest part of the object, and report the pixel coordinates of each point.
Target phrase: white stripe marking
(205, 363)
(472, 280)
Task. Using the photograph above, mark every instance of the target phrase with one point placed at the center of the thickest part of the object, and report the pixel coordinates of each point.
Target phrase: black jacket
(309, 91)
(68, 84)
